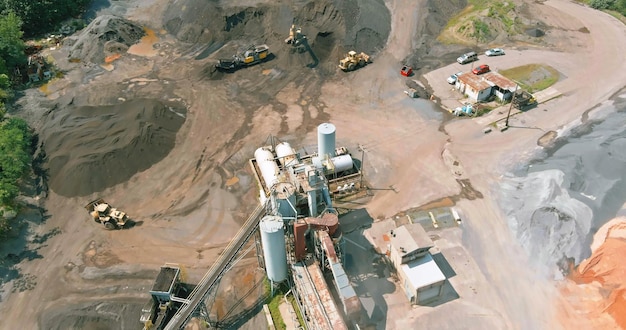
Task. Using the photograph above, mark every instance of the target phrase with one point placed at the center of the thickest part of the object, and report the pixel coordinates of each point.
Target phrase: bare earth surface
(188, 202)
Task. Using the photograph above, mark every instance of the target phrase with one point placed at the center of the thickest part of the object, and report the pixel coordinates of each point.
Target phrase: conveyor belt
(215, 273)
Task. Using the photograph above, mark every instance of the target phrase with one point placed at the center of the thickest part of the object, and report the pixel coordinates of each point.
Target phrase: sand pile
(606, 266)
(105, 36)
(90, 148)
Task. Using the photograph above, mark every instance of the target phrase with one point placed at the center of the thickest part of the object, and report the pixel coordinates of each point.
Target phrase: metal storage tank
(286, 154)
(274, 252)
(286, 199)
(342, 163)
(267, 166)
(326, 140)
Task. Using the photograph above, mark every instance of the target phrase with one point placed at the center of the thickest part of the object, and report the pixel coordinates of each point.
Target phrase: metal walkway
(215, 273)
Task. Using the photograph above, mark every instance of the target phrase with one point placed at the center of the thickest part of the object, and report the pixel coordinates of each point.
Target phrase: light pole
(362, 149)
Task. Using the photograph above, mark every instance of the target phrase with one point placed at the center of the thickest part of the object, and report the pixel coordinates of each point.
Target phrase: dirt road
(190, 203)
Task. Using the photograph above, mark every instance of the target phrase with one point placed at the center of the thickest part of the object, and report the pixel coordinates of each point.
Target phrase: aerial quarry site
(358, 164)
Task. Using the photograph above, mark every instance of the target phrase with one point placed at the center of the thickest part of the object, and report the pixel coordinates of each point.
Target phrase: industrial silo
(286, 154)
(326, 140)
(274, 252)
(267, 165)
(285, 199)
(342, 163)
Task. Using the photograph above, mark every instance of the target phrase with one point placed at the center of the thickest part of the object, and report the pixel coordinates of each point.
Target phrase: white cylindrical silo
(326, 140)
(342, 163)
(286, 154)
(286, 199)
(267, 166)
(273, 240)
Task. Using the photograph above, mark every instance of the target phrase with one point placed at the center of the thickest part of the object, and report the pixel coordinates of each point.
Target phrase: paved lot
(562, 62)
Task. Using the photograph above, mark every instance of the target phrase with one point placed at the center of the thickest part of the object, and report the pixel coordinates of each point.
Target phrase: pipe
(326, 195)
(312, 203)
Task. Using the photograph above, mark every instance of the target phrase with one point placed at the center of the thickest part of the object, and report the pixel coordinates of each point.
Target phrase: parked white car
(452, 79)
(494, 52)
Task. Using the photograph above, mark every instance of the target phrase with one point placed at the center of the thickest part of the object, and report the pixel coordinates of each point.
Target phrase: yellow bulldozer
(354, 61)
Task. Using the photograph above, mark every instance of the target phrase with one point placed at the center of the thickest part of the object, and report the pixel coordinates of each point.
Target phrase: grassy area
(469, 21)
(532, 77)
(273, 303)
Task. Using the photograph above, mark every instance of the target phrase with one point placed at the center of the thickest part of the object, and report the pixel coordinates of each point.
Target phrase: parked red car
(406, 71)
(483, 68)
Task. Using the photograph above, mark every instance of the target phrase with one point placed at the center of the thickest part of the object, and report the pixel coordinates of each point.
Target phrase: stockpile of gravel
(90, 148)
(336, 25)
(104, 36)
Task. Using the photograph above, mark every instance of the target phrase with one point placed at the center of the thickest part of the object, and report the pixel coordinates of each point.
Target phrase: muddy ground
(154, 129)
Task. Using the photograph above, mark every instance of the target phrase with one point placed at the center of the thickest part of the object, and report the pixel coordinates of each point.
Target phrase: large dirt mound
(104, 36)
(90, 148)
(364, 24)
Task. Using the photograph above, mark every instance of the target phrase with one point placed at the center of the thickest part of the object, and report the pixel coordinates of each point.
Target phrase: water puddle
(145, 46)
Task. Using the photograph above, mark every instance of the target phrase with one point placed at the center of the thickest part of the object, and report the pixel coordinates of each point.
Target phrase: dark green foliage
(617, 5)
(41, 16)
(11, 44)
(602, 4)
(15, 156)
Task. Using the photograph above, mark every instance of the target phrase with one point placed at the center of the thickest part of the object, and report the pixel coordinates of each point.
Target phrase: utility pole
(506, 123)
(362, 149)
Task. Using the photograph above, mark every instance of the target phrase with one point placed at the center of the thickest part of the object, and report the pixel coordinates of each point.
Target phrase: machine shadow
(366, 268)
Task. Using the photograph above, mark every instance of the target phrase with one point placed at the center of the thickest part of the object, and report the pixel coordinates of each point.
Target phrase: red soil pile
(606, 266)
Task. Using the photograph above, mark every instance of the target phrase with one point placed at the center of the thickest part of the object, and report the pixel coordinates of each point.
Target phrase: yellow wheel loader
(108, 216)
(354, 61)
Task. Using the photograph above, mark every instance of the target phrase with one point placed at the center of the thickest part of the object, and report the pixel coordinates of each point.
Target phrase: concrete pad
(546, 95)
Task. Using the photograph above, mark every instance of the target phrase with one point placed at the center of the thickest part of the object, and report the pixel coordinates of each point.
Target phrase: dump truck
(522, 99)
(108, 216)
(253, 55)
(354, 61)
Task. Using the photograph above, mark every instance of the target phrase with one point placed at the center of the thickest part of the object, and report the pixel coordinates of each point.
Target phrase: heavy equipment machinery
(353, 61)
(523, 99)
(253, 55)
(103, 213)
(295, 36)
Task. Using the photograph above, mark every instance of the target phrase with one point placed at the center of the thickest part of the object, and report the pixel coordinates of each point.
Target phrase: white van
(467, 58)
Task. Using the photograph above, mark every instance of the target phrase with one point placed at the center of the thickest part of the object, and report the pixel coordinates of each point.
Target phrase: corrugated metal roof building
(480, 88)
(474, 87)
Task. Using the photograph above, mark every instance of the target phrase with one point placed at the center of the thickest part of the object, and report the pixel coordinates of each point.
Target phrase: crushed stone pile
(90, 148)
(330, 26)
(106, 35)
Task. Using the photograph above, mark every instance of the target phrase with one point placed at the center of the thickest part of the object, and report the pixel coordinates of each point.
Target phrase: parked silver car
(494, 52)
(453, 78)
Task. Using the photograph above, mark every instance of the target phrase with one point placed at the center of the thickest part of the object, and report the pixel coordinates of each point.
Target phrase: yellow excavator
(295, 36)
(354, 61)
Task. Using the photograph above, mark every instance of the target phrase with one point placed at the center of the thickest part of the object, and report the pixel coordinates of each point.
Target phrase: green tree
(42, 16)
(15, 139)
(11, 44)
